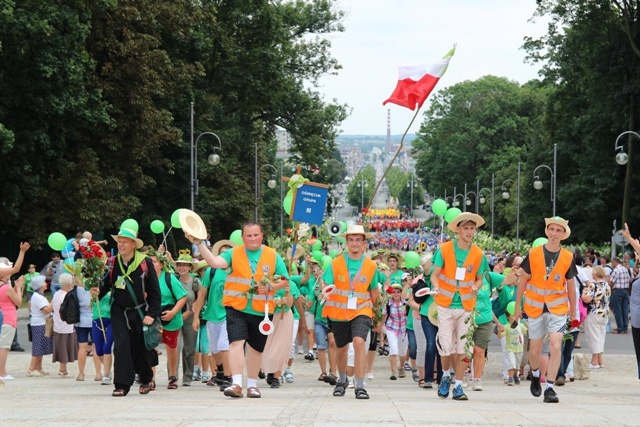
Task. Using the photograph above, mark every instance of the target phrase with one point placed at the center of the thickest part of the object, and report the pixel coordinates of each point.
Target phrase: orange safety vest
(549, 290)
(336, 306)
(238, 282)
(448, 285)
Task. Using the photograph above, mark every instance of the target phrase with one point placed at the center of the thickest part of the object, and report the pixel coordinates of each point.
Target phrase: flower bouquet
(93, 269)
(469, 344)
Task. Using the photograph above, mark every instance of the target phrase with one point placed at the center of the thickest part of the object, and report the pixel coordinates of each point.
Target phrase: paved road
(609, 397)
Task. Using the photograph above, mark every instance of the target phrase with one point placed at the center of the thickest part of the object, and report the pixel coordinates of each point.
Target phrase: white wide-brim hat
(561, 222)
(356, 229)
(465, 217)
(192, 224)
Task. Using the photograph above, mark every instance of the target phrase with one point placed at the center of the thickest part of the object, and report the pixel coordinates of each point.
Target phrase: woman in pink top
(10, 300)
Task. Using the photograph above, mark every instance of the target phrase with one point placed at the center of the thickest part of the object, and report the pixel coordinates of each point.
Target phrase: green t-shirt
(254, 258)
(167, 298)
(316, 308)
(309, 289)
(490, 281)
(105, 308)
(214, 311)
(396, 277)
(295, 293)
(461, 256)
(410, 316)
(27, 280)
(424, 307)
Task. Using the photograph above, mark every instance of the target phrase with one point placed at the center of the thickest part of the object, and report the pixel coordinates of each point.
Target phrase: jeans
(620, 305)
(565, 356)
(430, 332)
(412, 344)
(55, 287)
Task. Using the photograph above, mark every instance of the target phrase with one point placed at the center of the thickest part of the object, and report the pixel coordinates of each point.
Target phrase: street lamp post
(411, 184)
(213, 159)
(361, 184)
(622, 158)
(505, 196)
(537, 184)
(270, 184)
(468, 200)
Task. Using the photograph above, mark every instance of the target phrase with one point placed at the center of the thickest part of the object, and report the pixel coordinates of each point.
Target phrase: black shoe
(535, 387)
(261, 374)
(270, 379)
(550, 396)
(17, 348)
(275, 383)
(224, 385)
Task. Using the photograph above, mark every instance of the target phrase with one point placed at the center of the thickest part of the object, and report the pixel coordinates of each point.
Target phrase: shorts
(344, 332)
(6, 336)
(397, 343)
(547, 323)
(202, 340)
(246, 327)
(310, 319)
(482, 335)
(451, 328)
(170, 338)
(514, 360)
(321, 331)
(218, 337)
(83, 334)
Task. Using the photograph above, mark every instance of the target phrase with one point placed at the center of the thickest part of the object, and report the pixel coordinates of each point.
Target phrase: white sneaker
(288, 376)
(477, 384)
(105, 381)
(7, 378)
(590, 365)
(370, 376)
(352, 383)
(465, 380)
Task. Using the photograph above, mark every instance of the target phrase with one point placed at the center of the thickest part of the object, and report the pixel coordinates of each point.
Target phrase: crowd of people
(238, 312)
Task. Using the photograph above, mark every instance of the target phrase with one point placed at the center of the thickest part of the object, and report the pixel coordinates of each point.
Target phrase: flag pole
(375, 190)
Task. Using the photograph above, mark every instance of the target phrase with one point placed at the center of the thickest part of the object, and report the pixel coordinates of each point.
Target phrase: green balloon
(57, 241)
(236, 237)
(439, 207)
(175, 219)
(287, 202)
(343, 226)
(451, 214)
(539, 242)
(334, 253)
(326, 261)
(130, 224)
(341, 240)
(317, 255)
(411, 259)
(157, 226)
(317, 245)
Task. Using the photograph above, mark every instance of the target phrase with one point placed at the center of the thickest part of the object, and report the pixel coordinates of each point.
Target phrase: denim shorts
(321, 331)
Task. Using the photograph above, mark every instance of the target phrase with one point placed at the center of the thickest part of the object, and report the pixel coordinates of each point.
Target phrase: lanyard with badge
(352, 300)
(120, 281)
(460, 271)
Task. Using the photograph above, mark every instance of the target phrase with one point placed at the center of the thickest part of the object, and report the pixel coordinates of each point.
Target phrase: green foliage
(356, 194)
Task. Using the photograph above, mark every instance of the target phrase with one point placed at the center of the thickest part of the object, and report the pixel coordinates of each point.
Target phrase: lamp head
(537, 184)
(272, 183)
(505, 194)
(482, 200)
(213, 159)
(622, 158)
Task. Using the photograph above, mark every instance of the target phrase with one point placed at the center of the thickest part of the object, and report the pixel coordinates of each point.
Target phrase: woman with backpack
(395, 327)
(65, 340)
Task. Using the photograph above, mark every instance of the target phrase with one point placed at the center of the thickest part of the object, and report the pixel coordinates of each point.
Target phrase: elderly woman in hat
(42, 345)
(192, 286)
(65, 340)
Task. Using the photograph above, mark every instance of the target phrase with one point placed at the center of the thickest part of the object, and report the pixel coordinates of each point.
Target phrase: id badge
(460, 273)
(352, 303)
(120, 283)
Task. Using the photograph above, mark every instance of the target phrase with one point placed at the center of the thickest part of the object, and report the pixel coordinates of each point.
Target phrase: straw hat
(300, 252)
(129, 234)
(561, 222)
(220, 243)
(432, 314)
(356, 229)
(464, 217)
(192, 223)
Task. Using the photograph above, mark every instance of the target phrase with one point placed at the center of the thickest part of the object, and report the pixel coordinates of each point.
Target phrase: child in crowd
(514, 333)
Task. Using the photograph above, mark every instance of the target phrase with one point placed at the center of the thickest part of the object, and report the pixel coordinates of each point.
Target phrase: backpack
(70, 307)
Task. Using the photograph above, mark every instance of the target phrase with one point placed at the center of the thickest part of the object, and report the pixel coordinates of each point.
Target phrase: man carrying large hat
(457, 275)
(134, 290)
(249, 291)
(215, 317)
(350, 306)
(547, 283)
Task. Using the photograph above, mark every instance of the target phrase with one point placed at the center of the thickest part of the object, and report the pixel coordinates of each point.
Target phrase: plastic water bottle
(608, 327)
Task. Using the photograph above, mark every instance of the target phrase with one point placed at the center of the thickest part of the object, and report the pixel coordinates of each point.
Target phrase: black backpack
(70, 307)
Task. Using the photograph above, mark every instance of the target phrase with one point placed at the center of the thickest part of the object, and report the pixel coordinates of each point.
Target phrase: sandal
(145, 388)
(421, 383)
(173, 383)
(152, 384)
(331, 379)
(253, 392)
(119, 393)
(339, 390)
(361, 393)
(322, 376)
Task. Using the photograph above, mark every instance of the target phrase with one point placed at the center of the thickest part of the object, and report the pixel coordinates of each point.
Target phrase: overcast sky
(381, 35)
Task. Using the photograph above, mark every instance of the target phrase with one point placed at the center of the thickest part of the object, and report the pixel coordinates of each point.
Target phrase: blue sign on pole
(309, 203)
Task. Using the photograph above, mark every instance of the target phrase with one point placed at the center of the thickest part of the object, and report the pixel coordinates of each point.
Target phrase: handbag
(48, 326)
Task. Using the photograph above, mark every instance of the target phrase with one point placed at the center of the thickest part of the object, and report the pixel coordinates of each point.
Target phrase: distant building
(283, 139)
